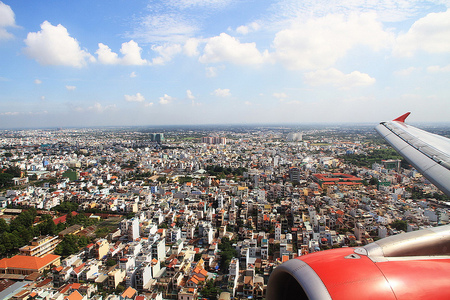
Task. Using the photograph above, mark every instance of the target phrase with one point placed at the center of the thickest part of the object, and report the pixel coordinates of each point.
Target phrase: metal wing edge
(436, 173)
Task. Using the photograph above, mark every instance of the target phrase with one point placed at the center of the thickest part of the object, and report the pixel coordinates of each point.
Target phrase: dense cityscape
(194, 213)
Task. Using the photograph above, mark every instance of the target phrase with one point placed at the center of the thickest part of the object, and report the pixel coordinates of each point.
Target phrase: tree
(110, 262)
(226, 254)
(197, 256)
(6, 180)
(3, 226)
(14, 171)
(47, 226)
(400, 225)
(71, 244)
(210, 291)
(66, 206)
(162, 179)
(25, 219)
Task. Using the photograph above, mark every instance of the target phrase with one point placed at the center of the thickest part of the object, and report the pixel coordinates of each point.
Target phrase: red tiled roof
(44, 282)
(76, 285)
(78, 269)
(63, 219)
(27, 262)
(129, 293)
(74, 296)
(194, 279)
(58, 269)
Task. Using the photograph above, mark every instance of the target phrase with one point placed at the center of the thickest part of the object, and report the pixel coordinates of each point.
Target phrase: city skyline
(145, 63)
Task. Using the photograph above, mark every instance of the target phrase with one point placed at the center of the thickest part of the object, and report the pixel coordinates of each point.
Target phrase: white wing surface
(429, 153)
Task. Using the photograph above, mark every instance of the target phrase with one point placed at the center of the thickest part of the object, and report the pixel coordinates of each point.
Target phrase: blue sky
(122, 62)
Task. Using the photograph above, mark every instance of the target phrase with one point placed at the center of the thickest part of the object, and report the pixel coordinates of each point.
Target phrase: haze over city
(110, 63)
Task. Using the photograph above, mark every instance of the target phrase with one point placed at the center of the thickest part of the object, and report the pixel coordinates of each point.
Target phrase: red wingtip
(402, 118)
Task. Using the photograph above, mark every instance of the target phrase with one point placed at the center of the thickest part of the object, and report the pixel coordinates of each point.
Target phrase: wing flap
(428, 153)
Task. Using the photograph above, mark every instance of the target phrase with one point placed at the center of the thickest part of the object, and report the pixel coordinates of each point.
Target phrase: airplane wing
(429, 153)
(413, 265)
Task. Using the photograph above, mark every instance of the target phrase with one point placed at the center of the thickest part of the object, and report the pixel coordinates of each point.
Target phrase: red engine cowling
(414, 265)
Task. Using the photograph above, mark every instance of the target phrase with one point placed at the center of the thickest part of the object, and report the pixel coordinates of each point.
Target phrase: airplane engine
(414, 265)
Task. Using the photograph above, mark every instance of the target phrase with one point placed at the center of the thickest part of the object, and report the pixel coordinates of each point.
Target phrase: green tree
(162, 179)
(210, 291)
(47, 226)
(6, 180)
(14, 171)
(226, 254)
(399, 225)
(3, 226)
(71, 244)
(373, 181)
(66, 206)
(25, 219)
(110, 262)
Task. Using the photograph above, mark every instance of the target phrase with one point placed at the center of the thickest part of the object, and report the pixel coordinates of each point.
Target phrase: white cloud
(9, 113)
(222, 93)
(406, 72)
(387, 10)
(438, 69)
(7, 19)
(248, 103)
(165, 27)
(254, 26)
(166, 99)
(319, 43)
(280, 95)
(430, 34)
(99, 108)
(135, 98)
(211, 71)
(133, 74)
(37, 81)
(338, 79)
(166, 52)
(148, 104)
(184, 4)
(71, 87)
(31, 113)
(190, 48)
(106, 56)
(175, 21)
(131, 55)
(190, 95)
(54, 46)
(42, 98)
(292, 102)
(227, 48)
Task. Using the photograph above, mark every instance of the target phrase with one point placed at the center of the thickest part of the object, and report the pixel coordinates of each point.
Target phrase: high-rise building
(159, 137)
(391, 164)
(130, 228)
(214, 140)
(294, 174)
(295, 136)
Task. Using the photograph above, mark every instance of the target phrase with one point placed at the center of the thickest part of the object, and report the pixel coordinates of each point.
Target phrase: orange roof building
(25, 265)
(129, 293)
(336, 179)
(75, 295)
